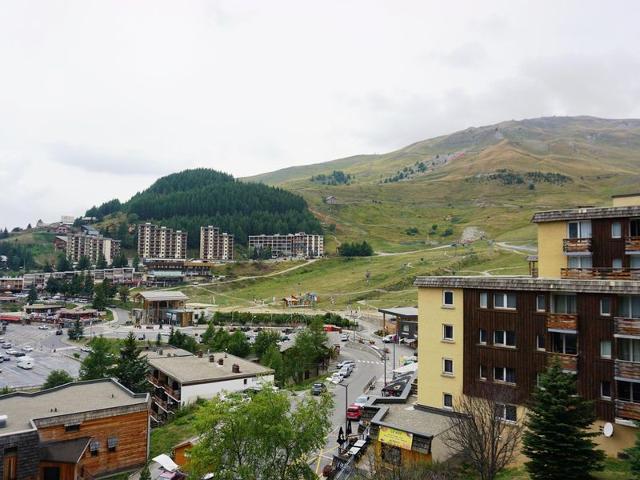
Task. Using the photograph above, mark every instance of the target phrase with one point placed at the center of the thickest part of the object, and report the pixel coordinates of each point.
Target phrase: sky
(100, 98)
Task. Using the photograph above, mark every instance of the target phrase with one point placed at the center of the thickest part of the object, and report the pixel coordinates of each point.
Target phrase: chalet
(162, 307)
(331, 200)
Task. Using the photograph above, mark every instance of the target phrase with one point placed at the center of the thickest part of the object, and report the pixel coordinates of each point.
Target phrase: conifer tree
(557, 440)
(132, 369)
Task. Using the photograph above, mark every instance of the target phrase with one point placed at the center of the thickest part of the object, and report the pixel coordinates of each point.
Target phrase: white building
(291, 245)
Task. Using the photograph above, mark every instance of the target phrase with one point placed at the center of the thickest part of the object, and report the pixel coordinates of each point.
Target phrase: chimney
(235, 368)
(199, 353)
(212, 358)
(220, 361)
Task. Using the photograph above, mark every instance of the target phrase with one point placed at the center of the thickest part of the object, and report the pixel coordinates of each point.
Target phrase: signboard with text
(394, 437)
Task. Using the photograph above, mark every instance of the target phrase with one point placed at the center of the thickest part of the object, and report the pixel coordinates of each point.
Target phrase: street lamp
(346, 404)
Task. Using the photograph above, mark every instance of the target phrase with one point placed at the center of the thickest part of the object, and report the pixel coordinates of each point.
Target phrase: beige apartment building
(215, 245)
(291, 245)
(161, 242)
(91, 246)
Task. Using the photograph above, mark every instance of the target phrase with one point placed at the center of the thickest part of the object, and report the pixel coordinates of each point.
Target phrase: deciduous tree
(57, 378)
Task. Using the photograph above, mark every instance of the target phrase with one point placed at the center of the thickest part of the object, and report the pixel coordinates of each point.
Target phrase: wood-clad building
(78, 431)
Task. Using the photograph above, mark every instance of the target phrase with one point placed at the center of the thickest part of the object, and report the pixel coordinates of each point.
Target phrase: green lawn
(614, 470)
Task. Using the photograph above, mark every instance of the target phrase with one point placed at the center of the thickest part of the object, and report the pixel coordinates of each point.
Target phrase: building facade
(215, 245)
(78, 431)
(161, 242)
(495, 335)
(121, 276)
(91, 246)
(291, 245)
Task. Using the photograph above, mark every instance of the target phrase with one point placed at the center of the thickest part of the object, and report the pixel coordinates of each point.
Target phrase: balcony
(627, 327)
(626, 370)
(576, 246)
(562, 321)
(606, 273)
(173, 393)
(632, 245)
(569, 363)
(627, 410)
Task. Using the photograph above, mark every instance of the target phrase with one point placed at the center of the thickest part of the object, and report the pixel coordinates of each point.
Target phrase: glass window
(582, 261)
(504, 374)
(580, 229)
(605, 390)
(628, 391)
(605, 348)
(634, 227)
(605, 306)
(112, 443)
(634, 261)
(504, 300)
(447, 298)
(507, 412)
(617, 264)
(566, 343)
(564, 304)
(616, 230)
(483, 299)
(540, 342)
(541, 303)
(447, 366)
(447, 400)
(505, 338)
(447, 332)
(483, 336)
(483, 372)
(94, 446)
(629, 307)
(498, 337)
(629, 349)
(574, 230)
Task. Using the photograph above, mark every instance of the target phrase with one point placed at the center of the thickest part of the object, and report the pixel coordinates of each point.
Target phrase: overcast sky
(99, 98)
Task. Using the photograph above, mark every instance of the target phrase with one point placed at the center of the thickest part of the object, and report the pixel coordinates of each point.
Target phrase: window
(483, 372)
(580, 229)
(628, 391)
(566, 343)
(508, 413)
(634, 227)
(540, 342)
(605, 390)
(629, 307)
(564, 304)
(94, 447)
(634, 261)
(504, 338)
(504, 300)
(112, 444)
(629, 349)
(605, 348)
(504, 374)
(447, 298)
(617, 264)
(483, 337)
(447, 401)
(405, 328)
(447, 366)
(541, 303)
(616, 230)
(391, 454)
(72, 428)
(605, 307)
(582, 261)
(484, 300)
(245, 381)
(447, 332)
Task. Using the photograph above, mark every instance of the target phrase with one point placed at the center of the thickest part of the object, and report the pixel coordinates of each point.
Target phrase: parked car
(389, 338)
(354, 412)
(142, 336)
(6, 345)
(345, 362)
(344, 337)
(85, 349)
(3, 358)
(12, 351)
(336, 378)
(43, 327)
(59, 331)
(27, 348)
(19, 354)
(345, 371)
(318, 388)
(26, 363)
(361, 401)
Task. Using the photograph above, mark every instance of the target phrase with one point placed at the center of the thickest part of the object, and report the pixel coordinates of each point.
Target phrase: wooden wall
(67, 470)
(605, 248)
(131, 430)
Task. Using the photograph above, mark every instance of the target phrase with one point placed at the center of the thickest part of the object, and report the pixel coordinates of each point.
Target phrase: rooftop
(193, 369)
(166, 352)
(66, 451)
(162, 295)
(586, 213)
(402, 312)
(22, 408)
(531, 283)
(408, 418)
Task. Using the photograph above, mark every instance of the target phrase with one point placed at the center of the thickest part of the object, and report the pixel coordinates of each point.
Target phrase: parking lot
(49, 353)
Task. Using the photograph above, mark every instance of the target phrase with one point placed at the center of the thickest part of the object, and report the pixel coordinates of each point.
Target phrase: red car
(354, 412)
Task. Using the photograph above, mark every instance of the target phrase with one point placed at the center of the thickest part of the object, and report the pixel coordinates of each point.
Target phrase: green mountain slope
(492, 177)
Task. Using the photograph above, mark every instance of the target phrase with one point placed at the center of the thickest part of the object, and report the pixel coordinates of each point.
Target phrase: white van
(26, 363)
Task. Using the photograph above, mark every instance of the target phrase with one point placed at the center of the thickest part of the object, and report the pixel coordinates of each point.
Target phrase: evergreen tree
(99, 362)
(87, 288)
(136, 261)
(53, 286)
(132, 369)
(84, 263)
(101, 263)
(76, 332)
(238, 344)
(273, 358)
(120, 261)
(158, 339)
(557, 440)
(123, 293)
(33, 295)
(62, 264)
(47, 268)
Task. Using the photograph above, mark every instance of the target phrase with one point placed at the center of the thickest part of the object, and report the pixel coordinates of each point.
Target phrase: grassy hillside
(469, 178)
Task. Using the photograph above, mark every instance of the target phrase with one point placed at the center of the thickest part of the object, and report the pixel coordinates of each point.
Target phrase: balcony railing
(175, 394)
(562, 321)
(627, 410)
(606, 273)
(577, 245)
(624, 369)
(154, 381)
(568, 363)
(632, 245)
(626, 326)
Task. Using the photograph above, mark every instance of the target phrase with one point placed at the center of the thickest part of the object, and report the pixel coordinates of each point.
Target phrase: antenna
(607, 429)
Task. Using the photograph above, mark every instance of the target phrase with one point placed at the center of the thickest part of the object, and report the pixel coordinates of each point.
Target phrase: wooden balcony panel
(627, 410)
(624, 369)
(170, 391)
(626, 326)
(576, 245)
(562, 321)
(632, 244)
(605, 273)
(567, 362)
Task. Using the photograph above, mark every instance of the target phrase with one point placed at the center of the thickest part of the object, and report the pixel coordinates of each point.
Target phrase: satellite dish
(607, 429)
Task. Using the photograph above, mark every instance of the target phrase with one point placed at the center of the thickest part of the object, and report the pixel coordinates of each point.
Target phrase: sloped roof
(162, 295)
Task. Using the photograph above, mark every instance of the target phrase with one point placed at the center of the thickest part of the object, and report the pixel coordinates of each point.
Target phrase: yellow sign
(397, 438)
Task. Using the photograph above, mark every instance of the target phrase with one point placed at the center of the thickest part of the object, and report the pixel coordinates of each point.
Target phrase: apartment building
(78, 431)
(180, 378)
(161, 242)
(91, 246)
(290, 245)
(122, 276)
(215, 245)
(495, 335)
